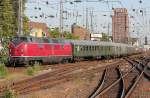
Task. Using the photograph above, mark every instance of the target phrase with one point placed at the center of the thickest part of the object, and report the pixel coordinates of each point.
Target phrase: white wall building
(96, 36)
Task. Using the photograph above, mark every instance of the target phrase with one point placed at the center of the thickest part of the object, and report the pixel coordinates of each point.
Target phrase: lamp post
(61, 19)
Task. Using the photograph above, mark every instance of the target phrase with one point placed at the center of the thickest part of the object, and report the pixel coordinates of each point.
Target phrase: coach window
(90, 48)
(81, 48)
(78, 48)
(96, 48)
(102, 48)
(84, 48)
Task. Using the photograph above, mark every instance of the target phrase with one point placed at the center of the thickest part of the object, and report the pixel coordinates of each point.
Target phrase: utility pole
(76, 17)
(108, 28)
(61, 19)
(20, 18)
(87, 23)
(91, 14)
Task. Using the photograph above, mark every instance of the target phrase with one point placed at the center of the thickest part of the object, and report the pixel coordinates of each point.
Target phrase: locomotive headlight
(21, 50)
(25, 45)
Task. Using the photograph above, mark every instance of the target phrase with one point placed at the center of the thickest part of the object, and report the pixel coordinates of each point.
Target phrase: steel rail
(100, 85)
(113, 84)
(136, 82)
(117, 81)
(123, 85)
(145, 71)
(98, 89)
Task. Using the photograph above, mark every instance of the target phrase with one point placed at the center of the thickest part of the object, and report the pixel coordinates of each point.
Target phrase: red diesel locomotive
(23, 50)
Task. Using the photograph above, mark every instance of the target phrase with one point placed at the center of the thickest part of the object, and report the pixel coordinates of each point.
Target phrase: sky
(98, 12)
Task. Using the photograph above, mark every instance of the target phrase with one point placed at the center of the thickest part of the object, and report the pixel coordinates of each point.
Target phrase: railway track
(124, 83)
(112, 79)
(53, 78)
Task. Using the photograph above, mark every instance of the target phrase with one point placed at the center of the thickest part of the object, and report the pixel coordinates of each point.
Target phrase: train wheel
(14, 64)
(71, 61)
(63, 61)
(37, 63)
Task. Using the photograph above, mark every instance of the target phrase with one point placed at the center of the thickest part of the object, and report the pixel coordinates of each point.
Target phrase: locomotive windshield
(18, 40)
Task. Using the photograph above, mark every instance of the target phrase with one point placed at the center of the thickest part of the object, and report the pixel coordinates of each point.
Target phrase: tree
(7, 18)
(105, 37)
(25, 19)
(7, 24)
(54, 33)
(16, 6)
(69, 35)
(26, 29)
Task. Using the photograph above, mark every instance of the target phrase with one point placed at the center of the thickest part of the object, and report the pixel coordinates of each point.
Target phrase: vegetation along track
(123, 83)
(52, 78)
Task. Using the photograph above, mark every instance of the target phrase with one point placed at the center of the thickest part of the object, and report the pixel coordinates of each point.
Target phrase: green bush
(35, 68)
(4, 59)
(30, 71)
(3, 70)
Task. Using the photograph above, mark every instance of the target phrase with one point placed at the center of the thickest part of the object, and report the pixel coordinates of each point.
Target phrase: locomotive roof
(39, 40)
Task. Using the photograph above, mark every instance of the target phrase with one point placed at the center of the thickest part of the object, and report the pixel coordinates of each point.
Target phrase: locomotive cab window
(45, 40)
(55, 40)
(18, 40)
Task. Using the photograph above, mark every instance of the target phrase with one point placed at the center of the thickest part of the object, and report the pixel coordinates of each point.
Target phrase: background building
(80, 32)
(96, 37)
(120, 25)
(38, 29)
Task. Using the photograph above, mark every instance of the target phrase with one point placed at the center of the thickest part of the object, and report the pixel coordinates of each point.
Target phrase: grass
(3, 70)
(30, 71)
(33, 69)
(9, 94)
